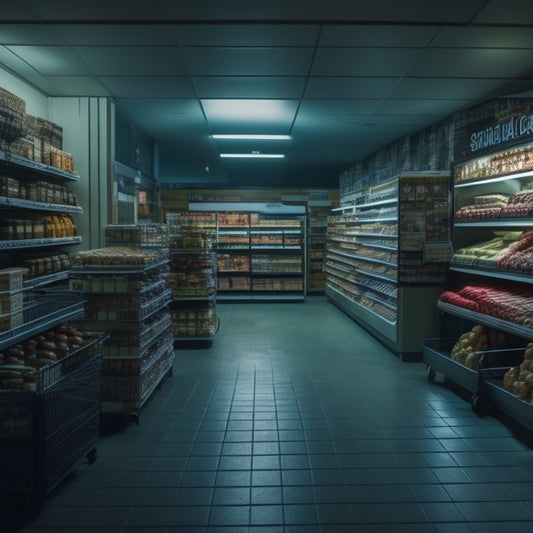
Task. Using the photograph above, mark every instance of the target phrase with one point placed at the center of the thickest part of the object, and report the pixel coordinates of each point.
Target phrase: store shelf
(41, 281)
(494, 179)
(38, 243)
(118, 269)
(486, 320)
(18, 203)
(498, 274)
(518, 410)
(497, 223)
(19, 165)
(42, 314)
(379, 325)
(377, 203)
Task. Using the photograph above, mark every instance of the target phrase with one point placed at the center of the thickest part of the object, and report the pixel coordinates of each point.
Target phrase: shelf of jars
(21, 166)
(385, 243)
(491, 277)
(193, 281)
(260, 254)
(128, 295)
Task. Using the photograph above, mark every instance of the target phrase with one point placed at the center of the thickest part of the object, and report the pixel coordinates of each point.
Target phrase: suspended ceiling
(342, 78)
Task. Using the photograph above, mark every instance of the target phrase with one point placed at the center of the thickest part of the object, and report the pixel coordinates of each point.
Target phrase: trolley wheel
(479, 405)
(91, 456)
(430, 374)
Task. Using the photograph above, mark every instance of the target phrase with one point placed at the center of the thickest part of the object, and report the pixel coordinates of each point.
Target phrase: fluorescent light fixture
(252, 137)
(255, 156)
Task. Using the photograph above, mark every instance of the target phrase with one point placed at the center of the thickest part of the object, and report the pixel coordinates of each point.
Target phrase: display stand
(386, 264)
(192, 278)
(489, 219)
(261, 250)
(127, 297)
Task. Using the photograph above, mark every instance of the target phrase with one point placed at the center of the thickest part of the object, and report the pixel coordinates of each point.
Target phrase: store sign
(514, 128)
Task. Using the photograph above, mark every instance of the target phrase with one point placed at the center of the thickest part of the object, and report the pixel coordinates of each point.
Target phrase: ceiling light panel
(251, 156)
(249, 116)
(251, 136)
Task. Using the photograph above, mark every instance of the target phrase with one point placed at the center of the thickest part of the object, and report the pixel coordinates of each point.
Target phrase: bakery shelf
(380, 235)
(486, 320)
(497, 223)
(498, 274)
(368, 318)
(375, 276)
(363, 258)
(6, 201)
(377, 203)
(390, 305)
(117, 269)
(37, 243)
(377, 220)
(380, 247)
(494, 179)
(44, 312)
(25, 167)
(274, 274)
(42, 281)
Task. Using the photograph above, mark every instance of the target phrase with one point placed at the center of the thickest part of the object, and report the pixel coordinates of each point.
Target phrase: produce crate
(50, 424)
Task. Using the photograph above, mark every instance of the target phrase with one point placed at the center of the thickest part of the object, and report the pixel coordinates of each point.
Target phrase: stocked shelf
(37, 243)
(493, 205)
(258, 245)
(38, 206)
(525, 332)
(383, 244)
(21, 166)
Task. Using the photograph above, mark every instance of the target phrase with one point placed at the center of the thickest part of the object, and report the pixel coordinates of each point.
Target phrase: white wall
(36, 101)
(88, 134)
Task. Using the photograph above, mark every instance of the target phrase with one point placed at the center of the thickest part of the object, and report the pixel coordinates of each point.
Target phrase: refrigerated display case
(387, 256)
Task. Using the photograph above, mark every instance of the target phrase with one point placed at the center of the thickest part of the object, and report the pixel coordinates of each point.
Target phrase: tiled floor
(295, 420)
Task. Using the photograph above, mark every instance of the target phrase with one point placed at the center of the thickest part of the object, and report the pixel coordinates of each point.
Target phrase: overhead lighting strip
(253, 156)
(252, 137)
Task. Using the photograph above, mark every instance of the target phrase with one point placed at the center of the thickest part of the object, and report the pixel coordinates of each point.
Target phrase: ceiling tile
(212, 10)
(363, 61)
(453, 88)
(117, 34)
(249, 86)
(486, 37)
(322, 113)
(376, 36)
(346, 88)
(247, 35)
(260, 61)
(250, 116)
(133, 60)
(473, 63)
(148, 87)
(32, 34)
(506, 12)
(76, 86)
(52, 60)
(20, 10)
(431, 108)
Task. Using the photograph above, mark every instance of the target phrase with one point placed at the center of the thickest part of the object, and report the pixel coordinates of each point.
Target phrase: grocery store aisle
(296, 420)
